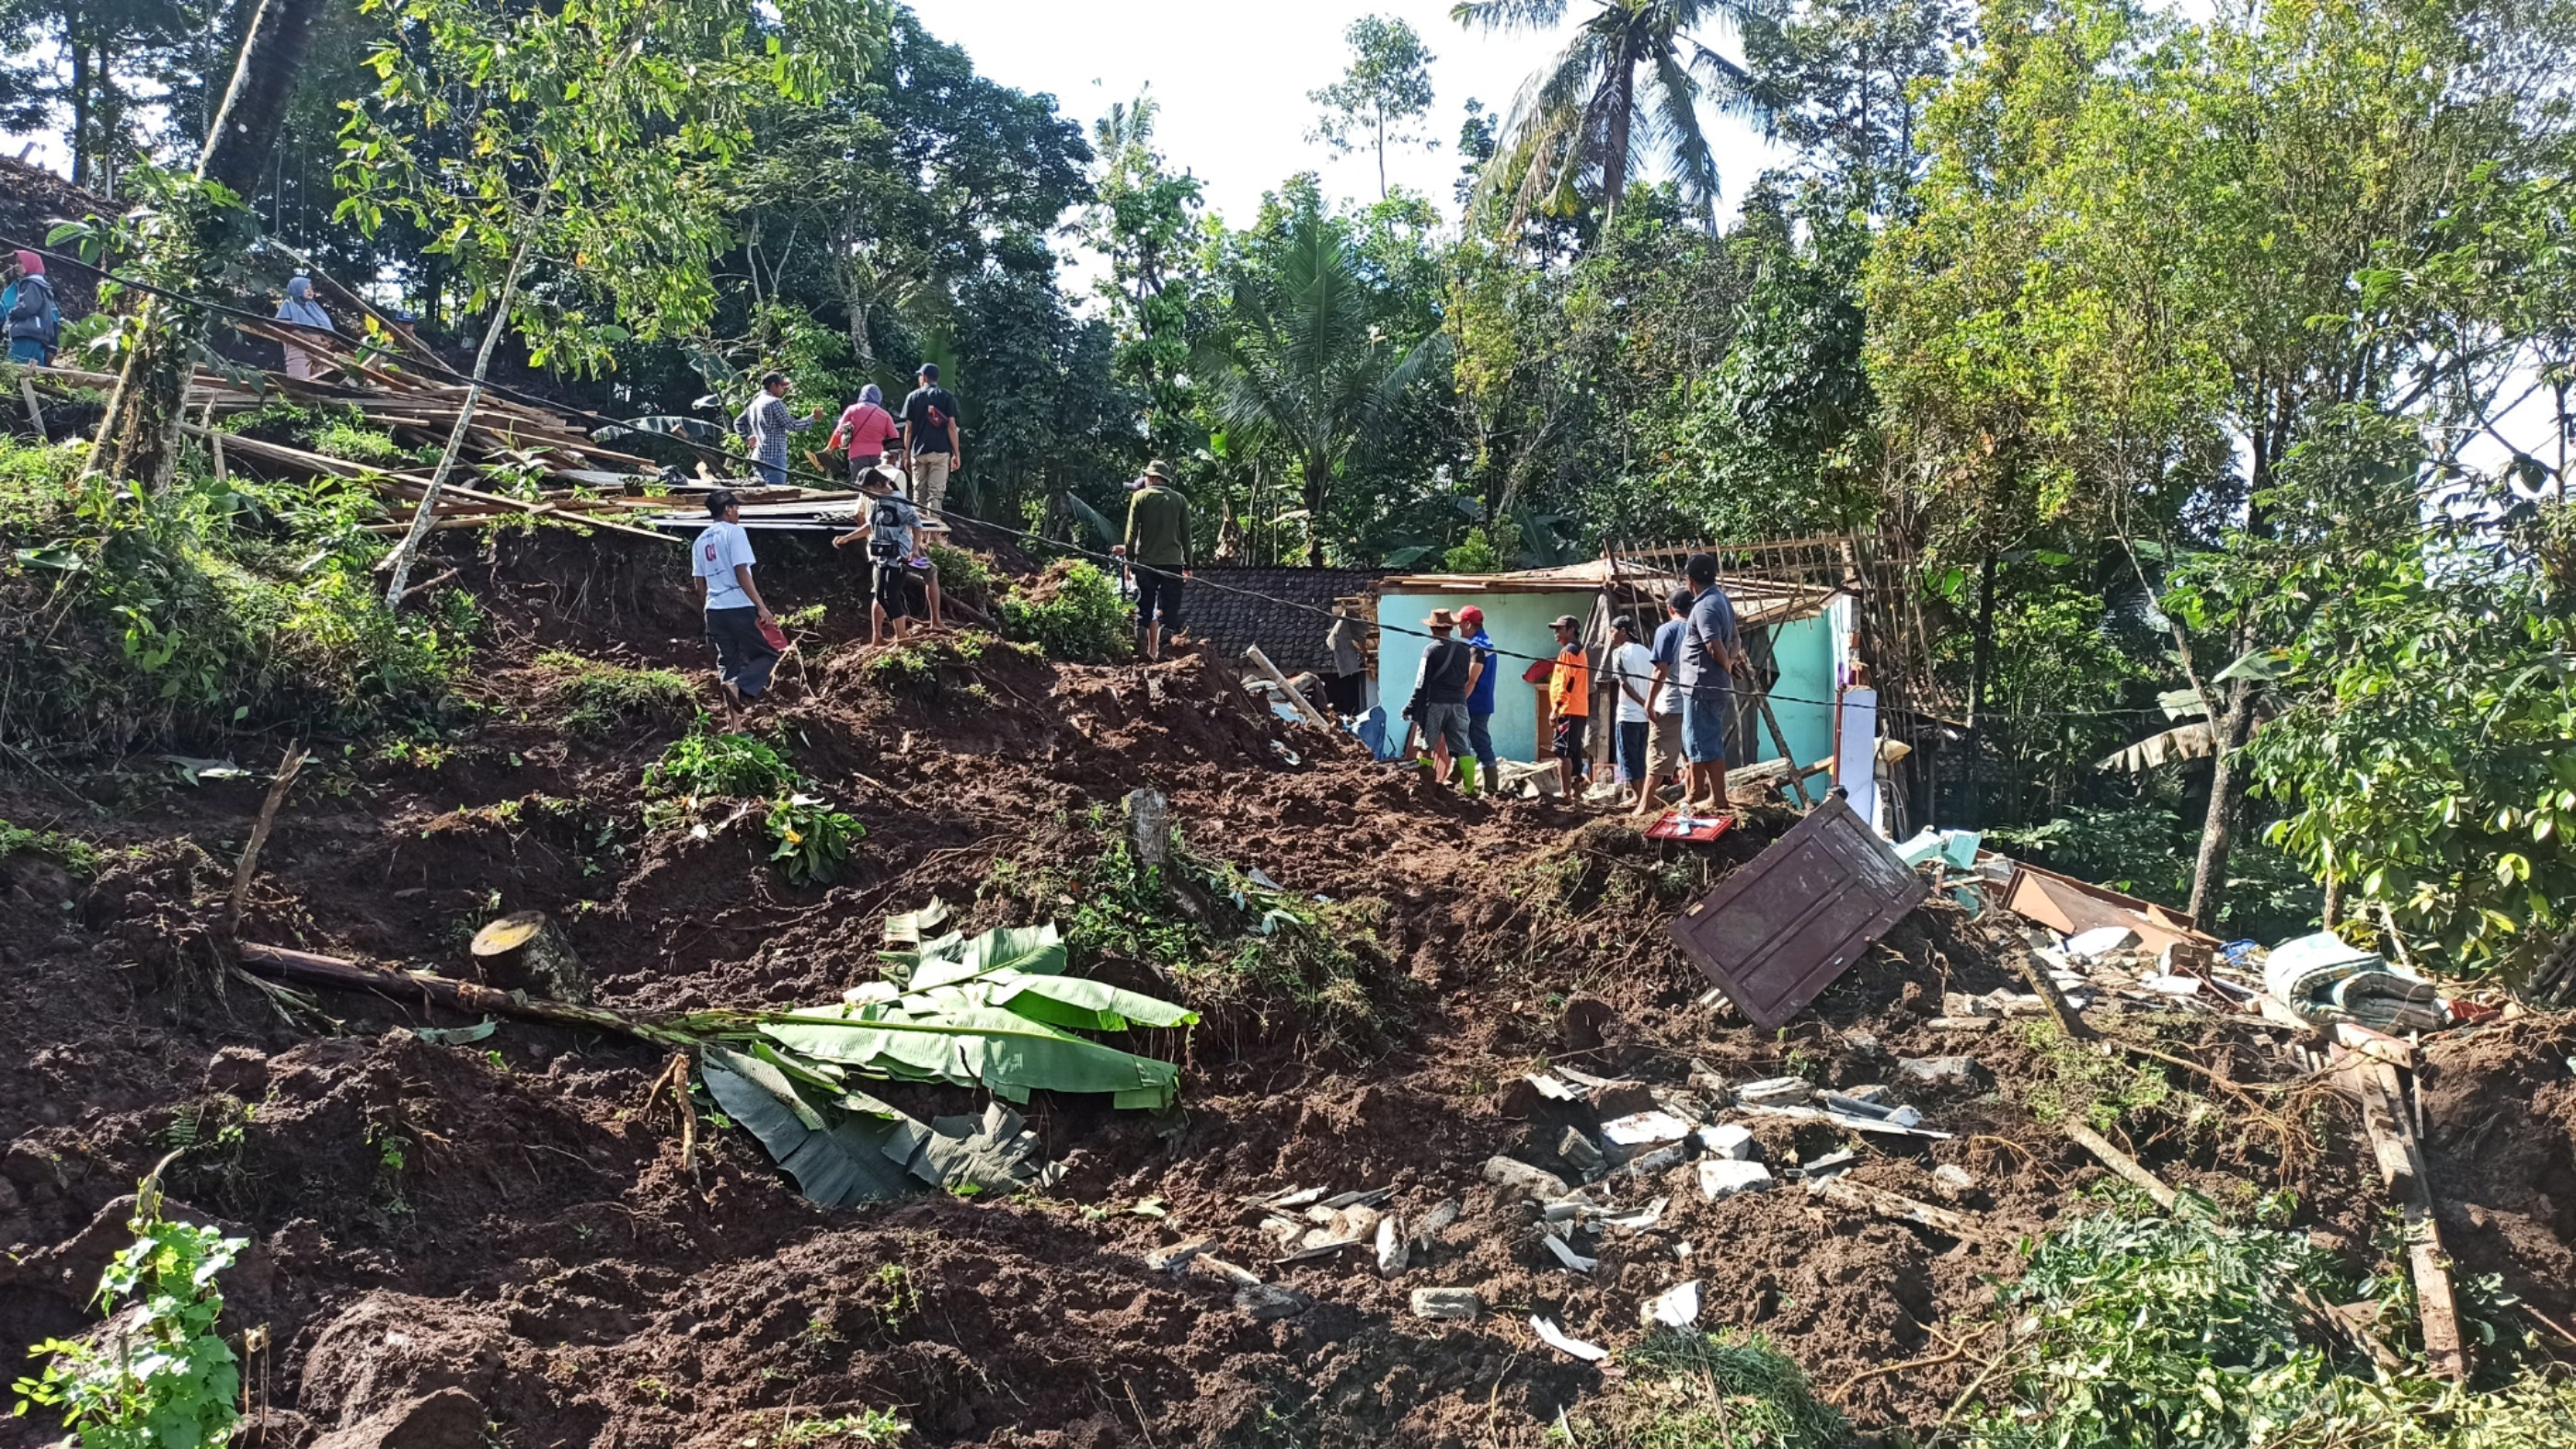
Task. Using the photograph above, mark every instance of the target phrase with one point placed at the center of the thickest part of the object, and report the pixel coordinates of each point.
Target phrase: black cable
(598, 420)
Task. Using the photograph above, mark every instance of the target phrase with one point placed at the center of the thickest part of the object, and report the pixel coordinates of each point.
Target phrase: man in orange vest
(1569, 697)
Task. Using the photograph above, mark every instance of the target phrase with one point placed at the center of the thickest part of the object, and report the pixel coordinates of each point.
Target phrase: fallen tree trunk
(303, 968)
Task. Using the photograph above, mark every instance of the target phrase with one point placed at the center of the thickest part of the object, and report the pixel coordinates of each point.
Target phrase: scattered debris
(1721, 1177)
(2323, 980)
(1939, 1071)
(1576, 1148)
(1393, 1248)
(1953, 1181)
(2071, 907)
(1641, 1129)
(1447, 1305)
(2100, 941)
(1654, 1164)
(1264, 1301)
(1427, 1230)
(1850, 1106)
(1173, 1259)
(1555, 1338)
(1779, 930)
(1775, 1091)
(1728, 1141)
(1640, 1219)
(1513, 1176)
(1841, 1159)
(1565, 1254)
(1675, 1307)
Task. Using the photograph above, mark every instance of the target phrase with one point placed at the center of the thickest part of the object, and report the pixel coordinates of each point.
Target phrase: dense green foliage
(1074, 615)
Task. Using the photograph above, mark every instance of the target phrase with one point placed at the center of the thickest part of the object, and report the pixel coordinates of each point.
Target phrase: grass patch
(76, 856)
(129, 617)
(809, 840)
(355, 443)
(600, 699)
(1727, 1390)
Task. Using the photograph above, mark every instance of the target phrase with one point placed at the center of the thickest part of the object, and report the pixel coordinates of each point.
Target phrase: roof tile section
(1291, 635)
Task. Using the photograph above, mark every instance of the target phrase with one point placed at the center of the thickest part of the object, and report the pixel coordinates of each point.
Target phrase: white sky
(1232, 80)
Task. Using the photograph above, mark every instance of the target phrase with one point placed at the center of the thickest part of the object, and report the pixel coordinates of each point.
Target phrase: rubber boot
(1467, 776)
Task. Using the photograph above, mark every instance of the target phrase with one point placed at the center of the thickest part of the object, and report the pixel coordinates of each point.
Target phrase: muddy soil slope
(503, 1242)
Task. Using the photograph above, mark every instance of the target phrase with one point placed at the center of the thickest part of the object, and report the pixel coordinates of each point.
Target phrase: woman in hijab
(34, 322)
(868, 431)
(299, 308)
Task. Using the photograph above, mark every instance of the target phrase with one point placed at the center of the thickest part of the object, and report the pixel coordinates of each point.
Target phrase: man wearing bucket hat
(1440, 690)
(1569, 694)
(1157, 547)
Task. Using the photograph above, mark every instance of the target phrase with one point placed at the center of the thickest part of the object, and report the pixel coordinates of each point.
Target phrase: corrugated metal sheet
(1779, 931)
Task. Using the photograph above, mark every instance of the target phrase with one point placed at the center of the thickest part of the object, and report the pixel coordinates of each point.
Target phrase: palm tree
(1622, 94)
(1303, 364)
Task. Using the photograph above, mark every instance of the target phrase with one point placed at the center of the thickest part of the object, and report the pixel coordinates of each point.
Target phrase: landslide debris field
(518, 1217)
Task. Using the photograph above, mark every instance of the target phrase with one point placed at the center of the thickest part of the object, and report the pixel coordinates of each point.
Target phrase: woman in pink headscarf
(34, 323)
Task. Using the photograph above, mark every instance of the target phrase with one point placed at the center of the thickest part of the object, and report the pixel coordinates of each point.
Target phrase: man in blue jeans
(1480, 702)
(1709, 656)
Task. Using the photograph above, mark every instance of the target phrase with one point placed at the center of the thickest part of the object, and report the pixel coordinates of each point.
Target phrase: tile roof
(1291, 636)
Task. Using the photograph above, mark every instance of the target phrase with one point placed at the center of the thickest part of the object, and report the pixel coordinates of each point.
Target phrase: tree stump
(525, 951)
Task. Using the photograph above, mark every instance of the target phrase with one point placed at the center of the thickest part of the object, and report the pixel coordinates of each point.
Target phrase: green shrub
(962, 575)
(357, 443)
(599, 699)
(709, 762)
(1081, 621)
(812, 839)
(164, 1376)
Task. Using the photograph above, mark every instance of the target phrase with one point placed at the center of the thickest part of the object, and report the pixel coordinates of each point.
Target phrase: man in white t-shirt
(1632, 678)
(1664, 704)
(721, 560)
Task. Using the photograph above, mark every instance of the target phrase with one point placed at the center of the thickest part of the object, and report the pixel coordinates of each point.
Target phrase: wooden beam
(2121, 1163)
(1270, 671)
(2384, 1116)
(1850, 1194)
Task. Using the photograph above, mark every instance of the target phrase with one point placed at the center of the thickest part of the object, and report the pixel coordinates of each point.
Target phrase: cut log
(304, 968)
(527, 951)
(2122, 1163)
(267, 821)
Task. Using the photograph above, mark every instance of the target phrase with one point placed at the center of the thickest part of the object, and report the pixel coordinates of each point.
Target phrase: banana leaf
(910, 928)
(1073, 1002)
(837, 1159)
(972, 1045)
(1037, 950)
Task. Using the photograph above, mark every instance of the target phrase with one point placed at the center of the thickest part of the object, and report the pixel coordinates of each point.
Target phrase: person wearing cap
(1569, 696)
(1440, 689)
(888, 523)
(1664, 704)
(1632, 676)
(1157, 547)
(1480, 700)
(1709, 654)
(721, 561)
(930, 438)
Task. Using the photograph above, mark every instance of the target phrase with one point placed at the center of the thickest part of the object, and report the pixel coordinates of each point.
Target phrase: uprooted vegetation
(1324, 977)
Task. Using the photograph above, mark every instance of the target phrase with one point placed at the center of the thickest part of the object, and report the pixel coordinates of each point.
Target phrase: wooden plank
(1839, 1189)
(2385, 1123)
(1797, 783)
(1270, 671)
(2122, 1163)
(2444, 1348)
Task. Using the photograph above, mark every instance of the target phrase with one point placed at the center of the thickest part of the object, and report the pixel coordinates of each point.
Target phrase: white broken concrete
(1721, 1177)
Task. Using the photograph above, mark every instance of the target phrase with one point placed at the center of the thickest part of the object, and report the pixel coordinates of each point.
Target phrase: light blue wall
(1516, 622)
(1804, 650)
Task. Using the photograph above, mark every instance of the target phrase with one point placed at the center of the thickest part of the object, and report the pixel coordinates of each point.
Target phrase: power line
(436, 367)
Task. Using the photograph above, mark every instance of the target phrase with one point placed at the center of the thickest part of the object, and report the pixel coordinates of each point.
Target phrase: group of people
(1673, 696)
(920, 442)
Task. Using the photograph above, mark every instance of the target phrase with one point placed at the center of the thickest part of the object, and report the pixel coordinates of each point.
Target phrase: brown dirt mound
(503, 1230)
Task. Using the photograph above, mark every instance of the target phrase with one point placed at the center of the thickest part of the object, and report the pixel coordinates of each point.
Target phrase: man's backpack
(884, 519)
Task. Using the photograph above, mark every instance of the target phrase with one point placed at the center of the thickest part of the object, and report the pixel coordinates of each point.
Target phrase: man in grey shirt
(1346, 681)
(1708, 657)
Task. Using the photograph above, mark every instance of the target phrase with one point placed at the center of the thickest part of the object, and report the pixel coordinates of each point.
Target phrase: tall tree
(1304, 364)
(1845, 83)
(1143, 221)
(1625, 93)
(1380, 101)
(96, 63)
(585, 139)
(199, 221)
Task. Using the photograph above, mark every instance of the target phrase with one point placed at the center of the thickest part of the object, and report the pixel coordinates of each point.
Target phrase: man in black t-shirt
(929, 419)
